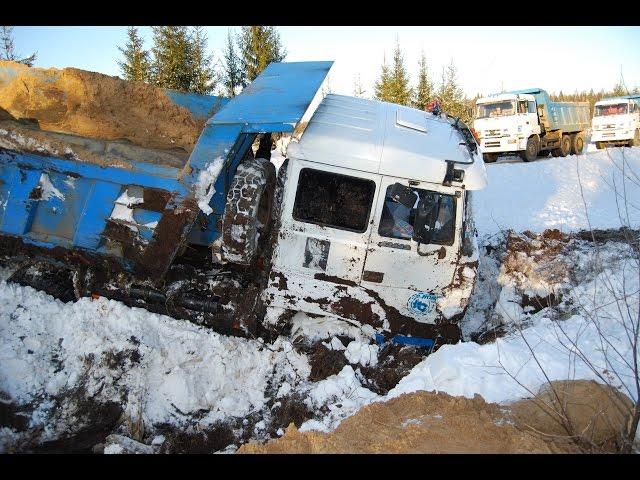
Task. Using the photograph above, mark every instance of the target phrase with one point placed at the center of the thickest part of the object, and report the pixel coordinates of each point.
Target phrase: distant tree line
(179, 60)
(591, 96)
(393, 85)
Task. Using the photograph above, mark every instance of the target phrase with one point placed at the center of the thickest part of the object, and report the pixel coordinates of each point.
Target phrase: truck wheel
(565, 146)
(247, 213)
(531, 151)
(635, 141)
(599, 145)
(489, 157)
(577, 144)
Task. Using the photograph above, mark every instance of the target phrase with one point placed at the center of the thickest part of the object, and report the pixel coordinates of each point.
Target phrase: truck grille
(492, 133)
(491, 144)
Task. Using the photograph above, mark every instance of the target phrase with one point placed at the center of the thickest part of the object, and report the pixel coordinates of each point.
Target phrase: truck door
(394, 259)
(325, 221)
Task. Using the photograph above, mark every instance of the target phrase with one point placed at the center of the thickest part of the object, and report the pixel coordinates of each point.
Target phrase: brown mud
(97, 106)
(426, 422)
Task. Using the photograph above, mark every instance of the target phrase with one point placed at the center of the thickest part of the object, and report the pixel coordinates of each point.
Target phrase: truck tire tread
(247, 213)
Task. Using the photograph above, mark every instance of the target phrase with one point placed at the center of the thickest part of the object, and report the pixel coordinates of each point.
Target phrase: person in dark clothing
(434, 106)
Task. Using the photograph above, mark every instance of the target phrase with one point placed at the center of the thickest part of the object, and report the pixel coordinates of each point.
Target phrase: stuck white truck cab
(616, 121)
(528, 123)
(376, 222)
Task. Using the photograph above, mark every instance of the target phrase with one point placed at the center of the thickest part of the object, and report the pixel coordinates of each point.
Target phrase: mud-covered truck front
(369, 220)
(376, 221)
(527, 123)
(616, 122)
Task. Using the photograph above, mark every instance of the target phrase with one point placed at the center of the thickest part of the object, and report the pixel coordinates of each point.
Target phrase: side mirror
(402, 194)
(426, 214)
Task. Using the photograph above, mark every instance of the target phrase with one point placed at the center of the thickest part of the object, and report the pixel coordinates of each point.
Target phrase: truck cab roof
(614, 100)
(387, 139)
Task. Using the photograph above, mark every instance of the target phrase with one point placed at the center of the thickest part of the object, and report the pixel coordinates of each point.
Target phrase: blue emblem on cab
(421, 303)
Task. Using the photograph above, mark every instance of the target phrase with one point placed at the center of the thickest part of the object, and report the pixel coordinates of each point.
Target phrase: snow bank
(547, 193)
(506, 370)
(170, 370)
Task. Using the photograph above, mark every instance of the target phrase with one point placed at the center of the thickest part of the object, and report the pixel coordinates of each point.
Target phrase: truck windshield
(615, 109)
(397, 219)
(496, 109)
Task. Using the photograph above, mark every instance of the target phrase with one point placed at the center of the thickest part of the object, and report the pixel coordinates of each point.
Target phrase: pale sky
(489, 59)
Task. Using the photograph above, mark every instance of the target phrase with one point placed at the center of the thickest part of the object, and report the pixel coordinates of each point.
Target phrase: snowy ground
(558, 193)
(58, 361)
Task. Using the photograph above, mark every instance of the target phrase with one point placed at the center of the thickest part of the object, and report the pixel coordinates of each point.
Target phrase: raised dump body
(128, 196)
(528, 123)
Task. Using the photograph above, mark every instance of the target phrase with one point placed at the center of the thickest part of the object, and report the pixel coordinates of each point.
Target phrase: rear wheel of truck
(635, 141)
(565, 146)
(489, 157)
(577, 144)
(247, 215)
(530, 153)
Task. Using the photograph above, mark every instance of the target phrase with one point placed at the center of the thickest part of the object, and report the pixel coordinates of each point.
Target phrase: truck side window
(397, 219)
(522, 107)
(532, 107)
(333, 200)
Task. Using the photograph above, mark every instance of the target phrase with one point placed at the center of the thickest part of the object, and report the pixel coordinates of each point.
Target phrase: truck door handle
(369, 276)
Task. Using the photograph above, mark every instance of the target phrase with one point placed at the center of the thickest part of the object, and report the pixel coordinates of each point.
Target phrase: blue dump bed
(139, 215)
(569, 117)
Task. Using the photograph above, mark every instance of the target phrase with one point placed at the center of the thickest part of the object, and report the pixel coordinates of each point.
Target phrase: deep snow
(547, 193)
(178, 373)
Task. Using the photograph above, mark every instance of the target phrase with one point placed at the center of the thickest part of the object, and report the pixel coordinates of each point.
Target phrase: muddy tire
(577, 144)
(531, 151)
(489, 157)
(635, 141)
(565, 146)
(247, 214)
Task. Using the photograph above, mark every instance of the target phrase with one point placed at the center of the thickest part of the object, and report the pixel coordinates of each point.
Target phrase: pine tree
(7, 47)
(619, 90)
(424, 91)
(393, 84)
(382, 87)
(136, 65)
(204, 76)
(358, 90)
(172, 58)
(259, 46)
(452, 99)
(233, 75)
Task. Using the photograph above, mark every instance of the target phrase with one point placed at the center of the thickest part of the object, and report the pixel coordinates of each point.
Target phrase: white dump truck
(616, 121)
(527, 123)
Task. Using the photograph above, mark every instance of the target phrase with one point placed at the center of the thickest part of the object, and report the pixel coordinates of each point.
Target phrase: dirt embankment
(425, 422)
(95, 105)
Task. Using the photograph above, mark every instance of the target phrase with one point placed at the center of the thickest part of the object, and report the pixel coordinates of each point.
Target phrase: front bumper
(611, 135)
(502, 144)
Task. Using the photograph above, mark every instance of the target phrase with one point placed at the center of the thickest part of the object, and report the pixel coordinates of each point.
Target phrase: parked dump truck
(616, 122)
(528, 123)
(368, 220)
